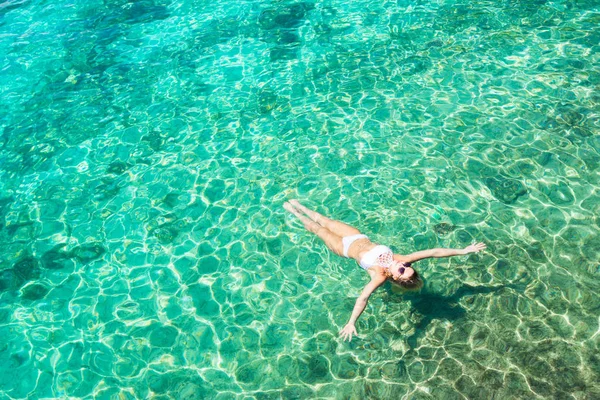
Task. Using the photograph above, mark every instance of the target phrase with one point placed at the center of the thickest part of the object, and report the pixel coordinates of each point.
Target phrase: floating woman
(379, 261)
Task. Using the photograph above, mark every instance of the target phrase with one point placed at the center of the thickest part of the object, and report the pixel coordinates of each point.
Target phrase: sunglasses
(400, 272)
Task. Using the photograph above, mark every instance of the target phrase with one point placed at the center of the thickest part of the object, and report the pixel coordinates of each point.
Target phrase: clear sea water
(147, 147)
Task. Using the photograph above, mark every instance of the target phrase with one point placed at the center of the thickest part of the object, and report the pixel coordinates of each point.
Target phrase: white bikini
(378, 255)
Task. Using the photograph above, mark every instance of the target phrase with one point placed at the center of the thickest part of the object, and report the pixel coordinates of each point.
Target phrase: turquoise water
(146, 149)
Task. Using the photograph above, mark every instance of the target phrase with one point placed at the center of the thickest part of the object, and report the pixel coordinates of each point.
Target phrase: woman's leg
(333, 241)
(339, 228)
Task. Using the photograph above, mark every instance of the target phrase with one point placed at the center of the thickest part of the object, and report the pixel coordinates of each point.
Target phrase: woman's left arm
(438, 253)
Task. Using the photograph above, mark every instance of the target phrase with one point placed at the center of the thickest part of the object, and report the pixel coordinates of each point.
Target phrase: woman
(379, 261)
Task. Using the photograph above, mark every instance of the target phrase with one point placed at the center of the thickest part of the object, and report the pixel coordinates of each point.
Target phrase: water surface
(146, 149)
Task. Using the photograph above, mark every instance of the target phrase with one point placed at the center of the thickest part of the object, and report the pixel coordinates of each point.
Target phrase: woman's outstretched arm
(359, 307)
(437, 253)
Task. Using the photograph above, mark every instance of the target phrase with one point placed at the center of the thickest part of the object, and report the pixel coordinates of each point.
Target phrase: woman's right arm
(359, 307)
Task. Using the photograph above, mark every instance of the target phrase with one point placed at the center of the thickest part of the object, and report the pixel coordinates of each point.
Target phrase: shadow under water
(431, 306)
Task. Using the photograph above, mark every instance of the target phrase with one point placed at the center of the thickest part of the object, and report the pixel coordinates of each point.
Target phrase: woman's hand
(347, 332)
(475, 248)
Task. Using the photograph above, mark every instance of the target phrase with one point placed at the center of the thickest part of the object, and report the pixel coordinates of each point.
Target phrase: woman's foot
(308, 223)
(295, 203)
(309, 213)
(289, 207)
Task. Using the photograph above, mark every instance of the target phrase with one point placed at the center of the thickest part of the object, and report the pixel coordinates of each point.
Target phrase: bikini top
(378, 255)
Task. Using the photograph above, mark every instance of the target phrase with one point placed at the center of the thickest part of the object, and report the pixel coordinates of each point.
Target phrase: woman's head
(404, 275)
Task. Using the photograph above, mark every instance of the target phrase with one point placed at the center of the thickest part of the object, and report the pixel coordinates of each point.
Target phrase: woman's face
(400, 272)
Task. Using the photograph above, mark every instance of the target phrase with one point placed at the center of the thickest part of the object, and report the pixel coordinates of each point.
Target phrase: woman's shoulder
(377, 273)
